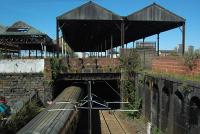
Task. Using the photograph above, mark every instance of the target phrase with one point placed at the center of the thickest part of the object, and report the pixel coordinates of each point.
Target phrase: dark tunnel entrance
(108, 90)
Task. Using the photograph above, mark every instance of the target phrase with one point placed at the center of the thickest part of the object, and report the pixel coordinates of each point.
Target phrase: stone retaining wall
(20, 88)
(169, 104)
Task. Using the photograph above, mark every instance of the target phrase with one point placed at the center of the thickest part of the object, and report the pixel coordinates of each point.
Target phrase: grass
(195, 78)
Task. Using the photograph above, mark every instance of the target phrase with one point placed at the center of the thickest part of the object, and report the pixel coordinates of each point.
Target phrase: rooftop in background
(21, 28)
(21, 36)
(2, 29)
(92, 26)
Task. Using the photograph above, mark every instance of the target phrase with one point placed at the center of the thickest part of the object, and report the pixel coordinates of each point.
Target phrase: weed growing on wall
(186, 89)
(133, 99)
(130, 62)
(156, 130)
(56, 67)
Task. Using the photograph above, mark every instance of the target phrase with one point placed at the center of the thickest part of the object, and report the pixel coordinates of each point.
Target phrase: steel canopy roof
(90, 26)
(89, 11)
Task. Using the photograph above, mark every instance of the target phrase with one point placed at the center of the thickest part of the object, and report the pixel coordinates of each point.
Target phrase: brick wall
(175, 65)
(92, 63)
(103, 62)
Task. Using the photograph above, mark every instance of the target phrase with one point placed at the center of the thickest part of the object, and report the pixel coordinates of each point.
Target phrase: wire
(113, 89)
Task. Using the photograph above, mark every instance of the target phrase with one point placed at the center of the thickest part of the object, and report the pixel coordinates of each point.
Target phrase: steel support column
(98, 51)
(111, 42)
(57, 38)
(105, 48)
(158, 44)
(183, 38)
(122, 34)
(90, 108)
(144, 53)
(62, 47)
(29, 53)
(36, 53)
(41, 53)
(101, 50)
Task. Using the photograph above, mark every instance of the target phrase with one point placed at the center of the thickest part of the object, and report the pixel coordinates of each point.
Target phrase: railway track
(110, 124)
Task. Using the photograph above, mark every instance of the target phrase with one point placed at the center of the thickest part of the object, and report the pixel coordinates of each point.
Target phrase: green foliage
(141, 78)
(156, 130)
(56, 67)
(48, 83)
(2, 116)
(186, 89)
(20, 119)
(133, 99)
(189, 59)
(173, 53)
(175, 76)
(131, 61)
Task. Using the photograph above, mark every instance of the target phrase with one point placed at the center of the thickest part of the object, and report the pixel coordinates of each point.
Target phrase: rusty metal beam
(57, 38)
(111, 42)
(183, 39)
(158, 44)
(122, 34)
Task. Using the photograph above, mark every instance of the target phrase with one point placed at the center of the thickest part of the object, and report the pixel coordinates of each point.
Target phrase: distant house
(146, 45)
(190, 49)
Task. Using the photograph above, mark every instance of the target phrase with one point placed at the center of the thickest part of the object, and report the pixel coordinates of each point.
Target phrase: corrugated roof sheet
(91, 25)
(89, 11)
(154, 12)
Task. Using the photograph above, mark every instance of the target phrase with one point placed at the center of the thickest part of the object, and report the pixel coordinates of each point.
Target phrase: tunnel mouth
(102, 90)
(60, 85)
(107, 91)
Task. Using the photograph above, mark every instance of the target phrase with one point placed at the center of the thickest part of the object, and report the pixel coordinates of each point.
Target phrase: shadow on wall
(194, 115)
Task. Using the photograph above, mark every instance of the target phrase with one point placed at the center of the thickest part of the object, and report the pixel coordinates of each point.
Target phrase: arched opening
(178, 101)
(194, 115)
(165, 107)
(155, 105)
(147, 84)
(148, 101)
(179, 119)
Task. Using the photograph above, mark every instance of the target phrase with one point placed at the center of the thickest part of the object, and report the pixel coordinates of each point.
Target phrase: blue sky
(42, 15)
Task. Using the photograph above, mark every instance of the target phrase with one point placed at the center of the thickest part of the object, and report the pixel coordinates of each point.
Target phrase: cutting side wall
(23, 79)
(170, 105)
